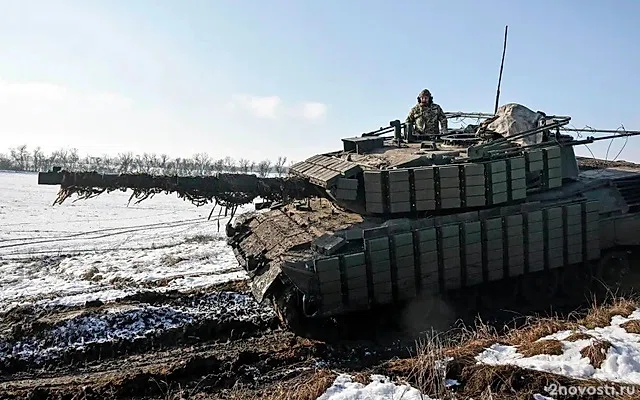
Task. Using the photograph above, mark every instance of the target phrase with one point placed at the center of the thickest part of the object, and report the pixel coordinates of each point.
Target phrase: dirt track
(223, 353)
(207, 357)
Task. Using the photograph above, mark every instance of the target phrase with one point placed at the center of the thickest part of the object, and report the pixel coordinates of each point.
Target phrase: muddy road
(159, 346)
(204, 345)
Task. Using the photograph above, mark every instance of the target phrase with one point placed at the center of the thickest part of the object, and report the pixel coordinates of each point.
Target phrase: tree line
(22, 158)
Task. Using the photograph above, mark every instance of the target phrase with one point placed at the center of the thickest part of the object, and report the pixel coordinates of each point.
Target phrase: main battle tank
(495, 210)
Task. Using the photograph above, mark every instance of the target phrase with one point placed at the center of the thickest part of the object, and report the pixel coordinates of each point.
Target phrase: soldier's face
(424, 98)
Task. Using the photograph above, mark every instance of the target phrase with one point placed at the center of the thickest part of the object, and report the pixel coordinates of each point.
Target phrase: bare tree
(162, 162)
(202, 163)
(37, 159)
(59, 158)
(149, 162)
(125, 162)
(229, 164)
(218, 166)
(264, 167)
(107, 164)
(20, 157)
(244, 165)
(5, 162)
(279, 165)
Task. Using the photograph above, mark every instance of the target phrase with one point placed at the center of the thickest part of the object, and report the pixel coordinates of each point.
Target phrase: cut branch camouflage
(227, 190)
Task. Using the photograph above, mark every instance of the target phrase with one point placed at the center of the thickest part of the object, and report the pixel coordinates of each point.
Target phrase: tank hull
(323, 262)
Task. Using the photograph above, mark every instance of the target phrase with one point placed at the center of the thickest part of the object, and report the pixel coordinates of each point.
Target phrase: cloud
(272, 107)
(261, 107)
(314, 110)
(48, 98)
(54, 116)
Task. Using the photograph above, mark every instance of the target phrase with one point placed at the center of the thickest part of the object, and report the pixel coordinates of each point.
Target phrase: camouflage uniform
(426, 117)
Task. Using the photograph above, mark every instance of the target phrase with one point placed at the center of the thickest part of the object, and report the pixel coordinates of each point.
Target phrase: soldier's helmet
(424, 92)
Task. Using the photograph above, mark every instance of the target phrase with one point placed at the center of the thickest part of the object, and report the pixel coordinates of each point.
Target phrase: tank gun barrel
(228, 190)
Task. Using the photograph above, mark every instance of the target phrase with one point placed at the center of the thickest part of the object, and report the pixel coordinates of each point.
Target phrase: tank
(501, 211)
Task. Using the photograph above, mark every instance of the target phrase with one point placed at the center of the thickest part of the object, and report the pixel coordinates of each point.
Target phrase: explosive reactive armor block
(485, 247)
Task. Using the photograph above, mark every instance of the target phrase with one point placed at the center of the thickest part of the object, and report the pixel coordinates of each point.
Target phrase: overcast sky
(259, 79)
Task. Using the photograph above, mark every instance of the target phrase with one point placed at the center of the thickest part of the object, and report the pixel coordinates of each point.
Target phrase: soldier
(426, 115)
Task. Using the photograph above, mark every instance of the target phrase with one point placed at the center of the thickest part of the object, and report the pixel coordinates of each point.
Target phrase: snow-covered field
(56, 259)
(103, 248)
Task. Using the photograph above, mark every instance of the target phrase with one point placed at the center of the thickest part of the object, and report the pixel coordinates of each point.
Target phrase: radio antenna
(504, 51)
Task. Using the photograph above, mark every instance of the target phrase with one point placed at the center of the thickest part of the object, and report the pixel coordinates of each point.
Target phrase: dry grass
(438, 357)
(498, 381)
(306, 386)
(600, 315)
(575, 336)
(596, 352)
(428, 367)
(535, 330)
(361, 377)
(632, 326)
(501, 382)
(510, 382)
(548, 346)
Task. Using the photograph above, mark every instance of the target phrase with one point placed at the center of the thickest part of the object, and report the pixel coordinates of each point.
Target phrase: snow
(103, 248)
(622, 363)
(128, 323)
(106, 249)
(380, 388)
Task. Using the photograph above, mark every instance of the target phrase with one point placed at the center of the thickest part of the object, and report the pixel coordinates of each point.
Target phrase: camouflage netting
(512, 119)
(226, 190)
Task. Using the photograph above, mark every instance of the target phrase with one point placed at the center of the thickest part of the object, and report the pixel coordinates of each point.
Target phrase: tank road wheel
(612, 270)
(287, 308)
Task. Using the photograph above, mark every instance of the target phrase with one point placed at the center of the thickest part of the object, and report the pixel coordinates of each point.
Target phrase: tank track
(559, 291)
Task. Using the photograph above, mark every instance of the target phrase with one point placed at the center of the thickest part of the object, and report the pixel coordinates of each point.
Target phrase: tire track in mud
(101, 233)
(210, 367)
(205, 368)
(58, 338)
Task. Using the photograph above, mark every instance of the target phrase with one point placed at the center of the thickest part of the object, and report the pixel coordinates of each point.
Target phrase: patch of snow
(103, 248)
(380, 388)
(622, 363)
(451, 382)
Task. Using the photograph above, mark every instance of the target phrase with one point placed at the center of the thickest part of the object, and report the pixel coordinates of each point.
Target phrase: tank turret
(393, 217)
